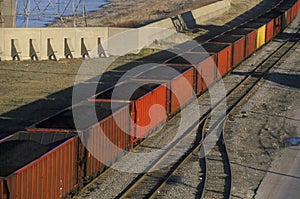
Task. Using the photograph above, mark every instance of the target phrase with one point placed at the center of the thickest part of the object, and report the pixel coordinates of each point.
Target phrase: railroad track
(150, 183)
(216, 165)
(217, 181)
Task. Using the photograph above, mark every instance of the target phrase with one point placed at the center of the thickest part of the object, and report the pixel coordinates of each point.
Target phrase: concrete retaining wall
(41, 43)
(58, 43)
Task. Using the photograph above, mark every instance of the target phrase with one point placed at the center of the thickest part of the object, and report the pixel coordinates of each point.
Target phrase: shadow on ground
(213, 30)
(287, 80)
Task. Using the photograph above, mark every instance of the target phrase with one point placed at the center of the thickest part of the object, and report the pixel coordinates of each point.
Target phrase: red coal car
(38, 165)
(148, 105)
(99, 132)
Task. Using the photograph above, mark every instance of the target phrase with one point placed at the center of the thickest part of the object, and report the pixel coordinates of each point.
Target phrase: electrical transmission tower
(35, 13)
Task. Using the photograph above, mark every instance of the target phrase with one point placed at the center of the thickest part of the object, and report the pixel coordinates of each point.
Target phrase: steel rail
(270, 61)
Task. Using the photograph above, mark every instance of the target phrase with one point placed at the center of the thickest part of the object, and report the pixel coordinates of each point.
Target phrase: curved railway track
(148, 184)
(218, 175)
(217, 162)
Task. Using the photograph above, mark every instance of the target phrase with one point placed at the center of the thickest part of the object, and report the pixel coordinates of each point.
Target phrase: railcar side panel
(53, 175)
(261, 37)
(206, 73)
(251, 43)
(182, 90)
(224, 61)
(238, 51)
(151, 111)
(107, 141)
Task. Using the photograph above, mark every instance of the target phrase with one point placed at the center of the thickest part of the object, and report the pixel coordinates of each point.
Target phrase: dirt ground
(258, 130)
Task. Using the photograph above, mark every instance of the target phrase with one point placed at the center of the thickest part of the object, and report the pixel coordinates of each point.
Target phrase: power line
(37, 12)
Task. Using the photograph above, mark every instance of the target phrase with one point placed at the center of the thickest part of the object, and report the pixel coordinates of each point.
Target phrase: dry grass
(133, 13)
(24, 82)
(30, 91)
